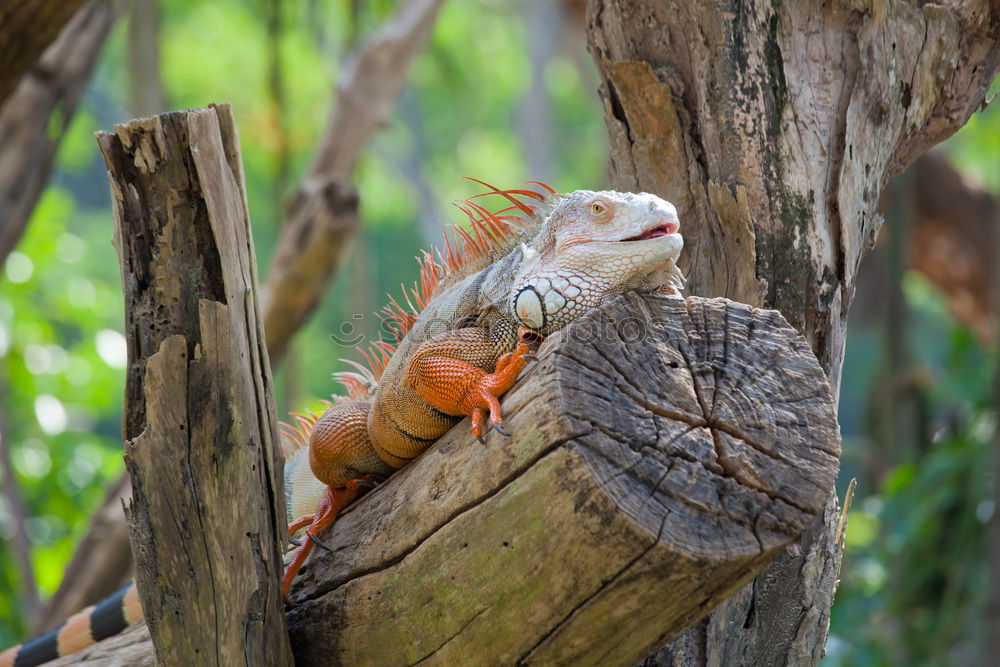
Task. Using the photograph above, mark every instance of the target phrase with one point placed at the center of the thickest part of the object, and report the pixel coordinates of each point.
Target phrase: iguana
(478, 314)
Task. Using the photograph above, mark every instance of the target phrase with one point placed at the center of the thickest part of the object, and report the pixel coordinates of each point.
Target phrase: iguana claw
(498, 427)
(330, 507)
(318, 542)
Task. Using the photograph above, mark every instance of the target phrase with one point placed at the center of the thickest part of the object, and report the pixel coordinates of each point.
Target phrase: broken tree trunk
(323, 213)
(773, 126)
(663, 452)
(38, 112)
(199, 426)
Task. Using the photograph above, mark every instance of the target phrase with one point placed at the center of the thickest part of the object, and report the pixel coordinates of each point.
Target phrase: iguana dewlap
(480, 311)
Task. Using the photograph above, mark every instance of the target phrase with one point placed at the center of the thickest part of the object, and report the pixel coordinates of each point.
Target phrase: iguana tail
(108, 617)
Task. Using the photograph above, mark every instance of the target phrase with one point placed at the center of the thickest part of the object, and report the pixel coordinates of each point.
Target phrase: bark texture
(199, 425)
(37, 113)
(663, 452)
(323, 212)
(27, 27)
(773, 127)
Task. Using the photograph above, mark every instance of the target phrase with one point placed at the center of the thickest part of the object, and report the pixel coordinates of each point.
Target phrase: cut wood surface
(773, 127)
(199, 425)
(663, 451)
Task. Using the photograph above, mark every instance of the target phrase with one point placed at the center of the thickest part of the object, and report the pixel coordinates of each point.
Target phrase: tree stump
(199, 426)
(664, 451)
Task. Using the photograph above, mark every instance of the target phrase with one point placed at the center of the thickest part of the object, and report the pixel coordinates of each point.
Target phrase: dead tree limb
(952, 241)
(199, 426)
(27, 27)
(323, 212)
(663, 452)
(774, 126)
(54, 85)
(145, 84)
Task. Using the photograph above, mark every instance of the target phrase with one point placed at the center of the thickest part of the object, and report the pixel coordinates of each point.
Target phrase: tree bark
(199, 425)
(773, 127)
(323, 212)
(45, 100)
(27, 27)
(663, 452)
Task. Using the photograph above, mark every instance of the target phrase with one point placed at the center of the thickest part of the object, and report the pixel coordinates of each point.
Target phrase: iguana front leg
(451, 372)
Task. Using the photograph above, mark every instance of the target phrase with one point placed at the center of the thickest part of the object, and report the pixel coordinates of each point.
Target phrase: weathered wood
(199, 427)
(663, 452)
(773, 126)
(131, 648)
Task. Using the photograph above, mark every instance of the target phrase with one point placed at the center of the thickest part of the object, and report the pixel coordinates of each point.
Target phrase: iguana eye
(597, 208)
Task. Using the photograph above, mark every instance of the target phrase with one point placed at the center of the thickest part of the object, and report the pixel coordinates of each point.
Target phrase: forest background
(504, 91)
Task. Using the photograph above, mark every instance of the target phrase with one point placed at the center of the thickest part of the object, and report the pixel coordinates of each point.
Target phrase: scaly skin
(465, 350)
(474, 337)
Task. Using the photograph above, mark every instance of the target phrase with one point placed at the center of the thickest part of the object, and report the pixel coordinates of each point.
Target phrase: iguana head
(592, 246)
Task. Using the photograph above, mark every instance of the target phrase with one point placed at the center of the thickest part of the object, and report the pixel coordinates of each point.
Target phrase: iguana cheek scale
(465, 332)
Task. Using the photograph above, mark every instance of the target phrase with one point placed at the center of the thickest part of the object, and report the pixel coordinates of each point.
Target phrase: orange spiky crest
(488, 233)
(296, 436)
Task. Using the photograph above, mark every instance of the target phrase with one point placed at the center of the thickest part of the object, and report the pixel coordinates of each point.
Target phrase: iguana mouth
(665, 229)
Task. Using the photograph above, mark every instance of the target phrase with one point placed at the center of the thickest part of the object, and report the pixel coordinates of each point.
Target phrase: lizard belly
(402, 425)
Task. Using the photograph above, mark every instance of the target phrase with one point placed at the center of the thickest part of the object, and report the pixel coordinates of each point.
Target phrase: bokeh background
(505, 91)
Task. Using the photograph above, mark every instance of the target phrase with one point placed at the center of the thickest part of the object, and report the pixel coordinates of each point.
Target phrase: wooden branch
(952, 241)
(323, 212)
(663, 452)
(773, 126)
(27, 27)
(145, 84)
(199, 426)
(55, 83)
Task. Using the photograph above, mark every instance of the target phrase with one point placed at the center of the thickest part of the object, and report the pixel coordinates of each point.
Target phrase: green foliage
(63, 361)
(60, 301)
(913, 575)
(913, 587)
(914, 581)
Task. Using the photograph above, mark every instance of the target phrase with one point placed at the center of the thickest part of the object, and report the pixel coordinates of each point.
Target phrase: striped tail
(108, 617)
